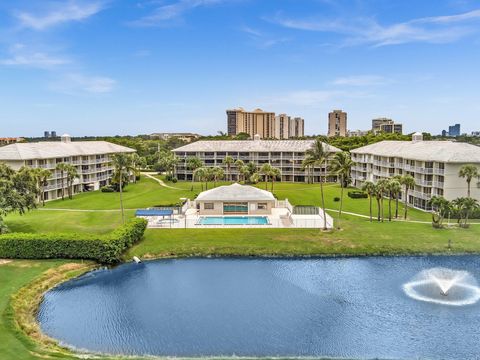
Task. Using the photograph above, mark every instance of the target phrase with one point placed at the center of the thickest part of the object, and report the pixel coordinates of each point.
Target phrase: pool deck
(279, 218)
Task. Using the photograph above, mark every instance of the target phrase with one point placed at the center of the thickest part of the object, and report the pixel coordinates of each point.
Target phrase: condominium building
(256, 122)
(386, 125)
(287, 127)
(91, 158)
(286, 155)
(433, 164)
(337, 123)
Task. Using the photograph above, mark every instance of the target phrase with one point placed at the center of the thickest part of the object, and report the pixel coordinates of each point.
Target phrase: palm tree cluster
(462, 208)
(391, 189)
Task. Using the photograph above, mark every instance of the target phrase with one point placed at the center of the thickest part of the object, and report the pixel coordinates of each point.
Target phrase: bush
(336, 199)
(107, 189)
(174, 179)
(106, 249)
(357, 194)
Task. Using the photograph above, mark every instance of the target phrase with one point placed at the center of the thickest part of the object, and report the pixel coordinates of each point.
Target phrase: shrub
(174, 179)
(106, 249)
(357, 194)
(336, 199)
(107, 189)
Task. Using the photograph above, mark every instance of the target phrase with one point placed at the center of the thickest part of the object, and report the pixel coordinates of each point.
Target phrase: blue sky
(129, 67)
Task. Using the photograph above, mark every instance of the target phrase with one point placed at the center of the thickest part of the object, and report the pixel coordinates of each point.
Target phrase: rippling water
(351, 308)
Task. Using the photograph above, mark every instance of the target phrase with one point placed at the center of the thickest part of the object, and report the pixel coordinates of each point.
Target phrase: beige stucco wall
(456, 186)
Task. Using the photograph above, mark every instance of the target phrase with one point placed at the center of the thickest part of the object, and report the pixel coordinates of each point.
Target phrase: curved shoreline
(25, 303)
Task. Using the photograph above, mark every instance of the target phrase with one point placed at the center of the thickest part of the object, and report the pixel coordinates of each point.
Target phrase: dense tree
(317, 155)
(468, 172)
(18, 192)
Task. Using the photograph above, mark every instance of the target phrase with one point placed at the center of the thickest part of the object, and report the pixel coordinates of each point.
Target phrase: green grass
(357, 237)
(12, 277)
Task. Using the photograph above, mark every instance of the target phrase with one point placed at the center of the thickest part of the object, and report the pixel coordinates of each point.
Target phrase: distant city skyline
(107, 67)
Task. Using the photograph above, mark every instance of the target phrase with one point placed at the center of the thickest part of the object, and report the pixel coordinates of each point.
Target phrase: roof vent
(417, 137)
(256, 137)
(65, 138)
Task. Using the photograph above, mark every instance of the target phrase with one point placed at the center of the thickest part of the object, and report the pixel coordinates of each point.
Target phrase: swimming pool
(233, 220)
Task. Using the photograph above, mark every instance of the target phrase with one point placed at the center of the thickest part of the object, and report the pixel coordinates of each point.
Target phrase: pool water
(233, 220)
(349, 308)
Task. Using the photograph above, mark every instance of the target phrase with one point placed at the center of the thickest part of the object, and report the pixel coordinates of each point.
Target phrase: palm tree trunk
(370, 197)
(63, 186)
(341, 197)
(121, 197)
(406, 203)
(378, 207)
(396, 206)
(323, 206)
(193, 179)
(468, 188)
(390, 208)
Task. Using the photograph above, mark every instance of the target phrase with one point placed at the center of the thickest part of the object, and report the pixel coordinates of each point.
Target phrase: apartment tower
(257, 122)
(337, 123)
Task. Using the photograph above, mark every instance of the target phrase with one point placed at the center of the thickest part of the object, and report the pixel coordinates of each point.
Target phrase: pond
(373, 307)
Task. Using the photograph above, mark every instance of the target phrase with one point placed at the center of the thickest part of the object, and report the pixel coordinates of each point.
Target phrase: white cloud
(361, 80)
(439, 29)
(165, 14)
(60, 12)
(20, 55)
(75, 83)
(262, 39)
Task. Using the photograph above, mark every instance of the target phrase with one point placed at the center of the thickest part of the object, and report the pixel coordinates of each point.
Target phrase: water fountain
(444, 286)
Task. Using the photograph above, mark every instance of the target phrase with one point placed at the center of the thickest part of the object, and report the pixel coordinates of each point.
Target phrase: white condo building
(433, 164)
(91, 158)
(286, 155)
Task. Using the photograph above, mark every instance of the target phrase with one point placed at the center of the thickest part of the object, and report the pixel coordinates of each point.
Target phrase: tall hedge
(106, 249)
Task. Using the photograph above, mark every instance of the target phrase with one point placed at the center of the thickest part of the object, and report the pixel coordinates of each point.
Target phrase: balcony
(420, 195)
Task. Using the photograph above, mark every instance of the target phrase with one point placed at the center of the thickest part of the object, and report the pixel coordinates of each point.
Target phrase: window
(262, 206)
(208, 206)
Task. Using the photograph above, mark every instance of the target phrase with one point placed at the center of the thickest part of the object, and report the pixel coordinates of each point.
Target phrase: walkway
(160, 181)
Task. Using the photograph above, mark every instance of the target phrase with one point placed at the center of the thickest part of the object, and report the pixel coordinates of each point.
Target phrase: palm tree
(254, 178)
(440, 207)
(465, 206)
(72, 174)
(228, 161)
(62, 167)
(369, 188)
(307, 165)
(193, 163)
(239, 164)
(468, 172)
(393, 188)
(275, 173)
(138, 163)
(317, 155)
(408, 182)
(44, 175)
(341, 166)
(217, 174)
(122, 163)
(380, 190)
(199, 175)
(266, 171)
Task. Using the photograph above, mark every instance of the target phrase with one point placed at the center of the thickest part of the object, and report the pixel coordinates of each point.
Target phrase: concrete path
(160, 181)
(4, 261)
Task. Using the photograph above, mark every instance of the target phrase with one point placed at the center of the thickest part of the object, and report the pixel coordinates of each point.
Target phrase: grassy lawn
(12, 277)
